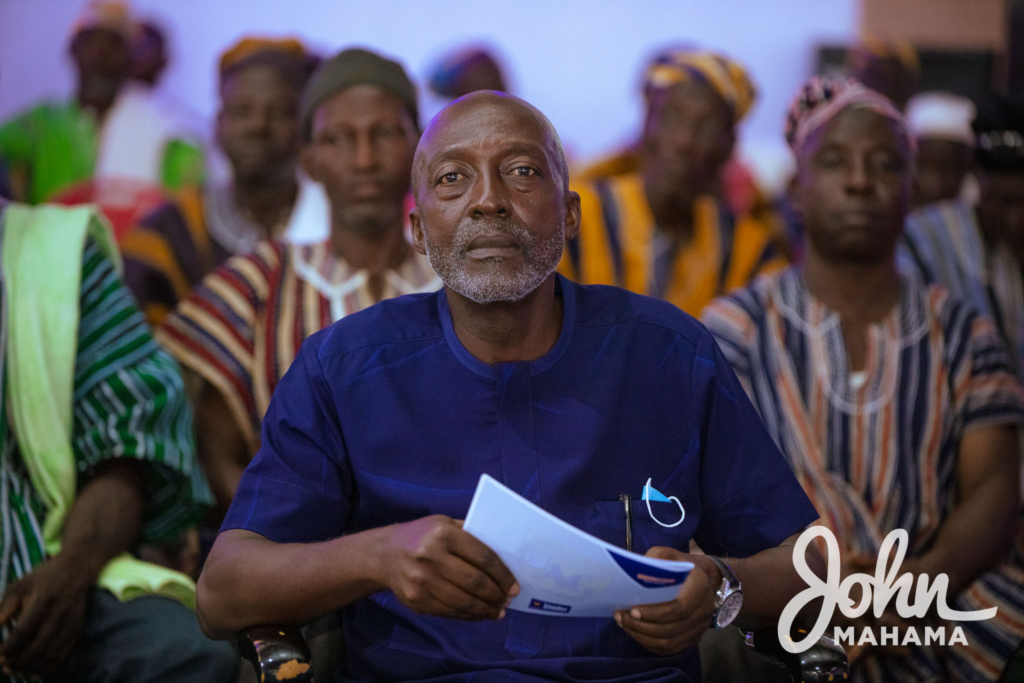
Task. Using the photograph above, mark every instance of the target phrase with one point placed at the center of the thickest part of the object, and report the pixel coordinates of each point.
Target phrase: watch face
(729, 610)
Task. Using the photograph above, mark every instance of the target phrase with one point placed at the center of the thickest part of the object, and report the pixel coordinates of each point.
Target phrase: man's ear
(416, 225)
(307, 159)
(573, 215)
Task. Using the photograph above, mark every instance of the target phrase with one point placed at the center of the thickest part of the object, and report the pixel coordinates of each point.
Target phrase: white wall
(577, 60)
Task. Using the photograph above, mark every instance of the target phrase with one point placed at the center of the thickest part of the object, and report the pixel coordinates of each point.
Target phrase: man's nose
(258, 123)
(858, 178)
(364, 155)
(681, 140)
(490, 195)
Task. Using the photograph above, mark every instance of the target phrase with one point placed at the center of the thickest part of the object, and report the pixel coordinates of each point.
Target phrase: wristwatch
(729, 598)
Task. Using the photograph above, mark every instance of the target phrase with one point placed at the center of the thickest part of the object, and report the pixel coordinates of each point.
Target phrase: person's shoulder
(737, 317)
(45, 109)
(269, 256)
(605, 306)
(750, 302)
(933, 219)
(413, 318)
(252, 275)
(184, 205)
(956, 316)
(602, 188)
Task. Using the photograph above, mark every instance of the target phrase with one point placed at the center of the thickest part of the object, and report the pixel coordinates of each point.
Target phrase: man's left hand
(668, 628)
(48, 608)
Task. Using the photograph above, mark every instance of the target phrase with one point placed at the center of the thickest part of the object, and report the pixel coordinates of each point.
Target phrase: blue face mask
(650, 493)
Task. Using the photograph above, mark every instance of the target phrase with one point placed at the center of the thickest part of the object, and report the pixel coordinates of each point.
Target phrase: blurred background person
(148, 53)
(941, 124)
(663, 230)
(465, 71)
(257, 128)
(110, 145)
(976, 251)
(892, 68)
(98, 456)
(895, 403)
(241, 328)
(738, 186)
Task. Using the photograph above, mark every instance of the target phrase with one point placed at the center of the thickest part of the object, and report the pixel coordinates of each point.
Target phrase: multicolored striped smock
(878, 451)
(242, 327)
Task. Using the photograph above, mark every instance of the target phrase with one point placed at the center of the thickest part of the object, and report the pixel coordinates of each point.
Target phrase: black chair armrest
(824, 661)
(277, 653)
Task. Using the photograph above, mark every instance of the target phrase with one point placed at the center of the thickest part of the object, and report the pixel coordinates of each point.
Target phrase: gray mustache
(467, 232)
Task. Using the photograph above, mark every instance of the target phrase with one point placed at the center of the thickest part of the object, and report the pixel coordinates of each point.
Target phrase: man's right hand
(434, 567)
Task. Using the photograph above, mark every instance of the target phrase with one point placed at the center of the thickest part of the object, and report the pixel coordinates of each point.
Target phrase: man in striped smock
(241, 329)
(663, 230)
(976, 249)
(895, 403)
(96, 456)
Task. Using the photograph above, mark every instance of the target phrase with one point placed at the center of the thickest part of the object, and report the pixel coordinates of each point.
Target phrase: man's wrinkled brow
(462, 151)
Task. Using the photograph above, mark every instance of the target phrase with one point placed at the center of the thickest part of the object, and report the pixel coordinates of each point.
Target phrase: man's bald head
(457, 122)
(493, 205)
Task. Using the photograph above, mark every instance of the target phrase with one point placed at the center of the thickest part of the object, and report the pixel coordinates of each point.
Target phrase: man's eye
(830, 161)
(890, 163)
(449, 178)
(524, 171)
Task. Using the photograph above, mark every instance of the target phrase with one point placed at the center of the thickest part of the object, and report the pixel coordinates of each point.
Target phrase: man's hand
(45, 612)
(669, 628)
(434, 567)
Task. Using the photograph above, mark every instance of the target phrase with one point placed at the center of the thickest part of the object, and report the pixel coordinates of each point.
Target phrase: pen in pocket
(627, 501)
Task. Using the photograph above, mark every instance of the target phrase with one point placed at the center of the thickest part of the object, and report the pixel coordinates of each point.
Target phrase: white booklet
(561, 570)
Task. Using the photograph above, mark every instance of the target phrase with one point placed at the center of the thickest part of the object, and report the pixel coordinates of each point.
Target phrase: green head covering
(355, 67)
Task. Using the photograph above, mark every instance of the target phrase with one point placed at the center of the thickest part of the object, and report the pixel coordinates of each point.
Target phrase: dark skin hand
(46, 609)
(769, 581)
(430, 564)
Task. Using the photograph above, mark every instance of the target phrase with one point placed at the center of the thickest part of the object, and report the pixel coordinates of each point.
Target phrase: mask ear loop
(647, 499)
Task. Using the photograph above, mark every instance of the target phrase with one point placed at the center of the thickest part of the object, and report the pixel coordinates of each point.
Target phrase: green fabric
(42, 262)
(184, 165)
(55, 144)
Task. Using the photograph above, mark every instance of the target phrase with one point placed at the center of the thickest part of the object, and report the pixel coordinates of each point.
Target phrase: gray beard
(448, 261)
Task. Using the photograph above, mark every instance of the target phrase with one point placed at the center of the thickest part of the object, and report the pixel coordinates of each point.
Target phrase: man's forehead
(491, 123)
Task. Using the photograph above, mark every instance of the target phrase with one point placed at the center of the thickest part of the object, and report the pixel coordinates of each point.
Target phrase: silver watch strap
(727, 574)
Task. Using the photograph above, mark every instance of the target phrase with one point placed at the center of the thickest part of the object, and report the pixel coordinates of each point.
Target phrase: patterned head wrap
(1000, 130)
(821, 99)
(287, 54)
(730, 80)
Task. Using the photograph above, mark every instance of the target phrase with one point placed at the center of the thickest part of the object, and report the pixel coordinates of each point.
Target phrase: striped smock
(881, 453)
(242, 327)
